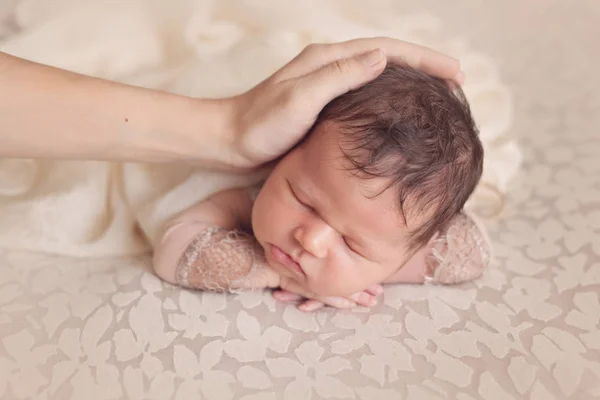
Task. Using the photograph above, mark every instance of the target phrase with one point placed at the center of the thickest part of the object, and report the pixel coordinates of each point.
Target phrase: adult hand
(271, 118)
(127, 123)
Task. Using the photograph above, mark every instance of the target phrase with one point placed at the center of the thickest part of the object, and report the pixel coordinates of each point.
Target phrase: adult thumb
(334, 79)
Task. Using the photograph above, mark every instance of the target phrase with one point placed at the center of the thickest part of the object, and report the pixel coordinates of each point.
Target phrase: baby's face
(326, 229)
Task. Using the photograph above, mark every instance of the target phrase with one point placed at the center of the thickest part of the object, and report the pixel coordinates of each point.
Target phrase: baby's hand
(262, 276)
(291, 292)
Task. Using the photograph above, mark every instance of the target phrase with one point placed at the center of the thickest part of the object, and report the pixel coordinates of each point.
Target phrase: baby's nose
(313, 239)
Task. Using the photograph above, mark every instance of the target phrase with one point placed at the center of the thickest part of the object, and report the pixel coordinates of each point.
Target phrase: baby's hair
(417, 131)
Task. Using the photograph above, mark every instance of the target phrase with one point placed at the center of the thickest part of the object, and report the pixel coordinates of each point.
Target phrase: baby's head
(384, 169)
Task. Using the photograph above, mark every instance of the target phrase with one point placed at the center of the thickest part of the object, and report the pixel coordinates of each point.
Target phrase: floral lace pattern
(529, 328)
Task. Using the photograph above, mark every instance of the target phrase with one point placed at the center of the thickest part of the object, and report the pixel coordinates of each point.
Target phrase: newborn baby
(374, 194)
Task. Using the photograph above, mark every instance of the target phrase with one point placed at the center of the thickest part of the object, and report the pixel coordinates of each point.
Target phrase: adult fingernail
(371, 58)
(459, 78)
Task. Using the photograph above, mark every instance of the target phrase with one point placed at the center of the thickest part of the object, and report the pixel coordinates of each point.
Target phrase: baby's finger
(338, 302)
(364, 299)
(375, 290)
(286, 296)
(311, 305)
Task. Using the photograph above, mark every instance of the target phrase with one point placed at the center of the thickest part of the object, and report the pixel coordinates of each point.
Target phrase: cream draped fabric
(203, 49)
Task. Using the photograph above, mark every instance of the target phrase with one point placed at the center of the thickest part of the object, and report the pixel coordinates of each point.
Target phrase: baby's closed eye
(351, 245)
(297, 198)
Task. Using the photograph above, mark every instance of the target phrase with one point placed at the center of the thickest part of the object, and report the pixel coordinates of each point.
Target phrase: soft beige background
(529, 329)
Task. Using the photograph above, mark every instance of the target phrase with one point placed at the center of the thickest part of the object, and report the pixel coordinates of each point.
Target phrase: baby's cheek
(270, 215)
(260, 218)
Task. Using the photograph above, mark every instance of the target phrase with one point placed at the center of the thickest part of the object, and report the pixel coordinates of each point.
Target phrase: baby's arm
(204, 247)
(458, 254)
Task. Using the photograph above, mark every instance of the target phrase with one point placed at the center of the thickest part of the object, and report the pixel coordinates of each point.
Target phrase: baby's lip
(294, 258)
(285, 259)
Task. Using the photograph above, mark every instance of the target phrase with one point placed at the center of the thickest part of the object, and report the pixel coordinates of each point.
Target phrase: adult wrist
(195, 131)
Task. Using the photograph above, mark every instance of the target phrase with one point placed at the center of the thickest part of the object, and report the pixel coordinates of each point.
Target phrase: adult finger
(400, 52)
(426, 59)
(323, 85)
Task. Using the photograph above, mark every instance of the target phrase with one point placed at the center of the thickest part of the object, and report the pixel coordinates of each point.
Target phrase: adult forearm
(46, 112)
(51, 113)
